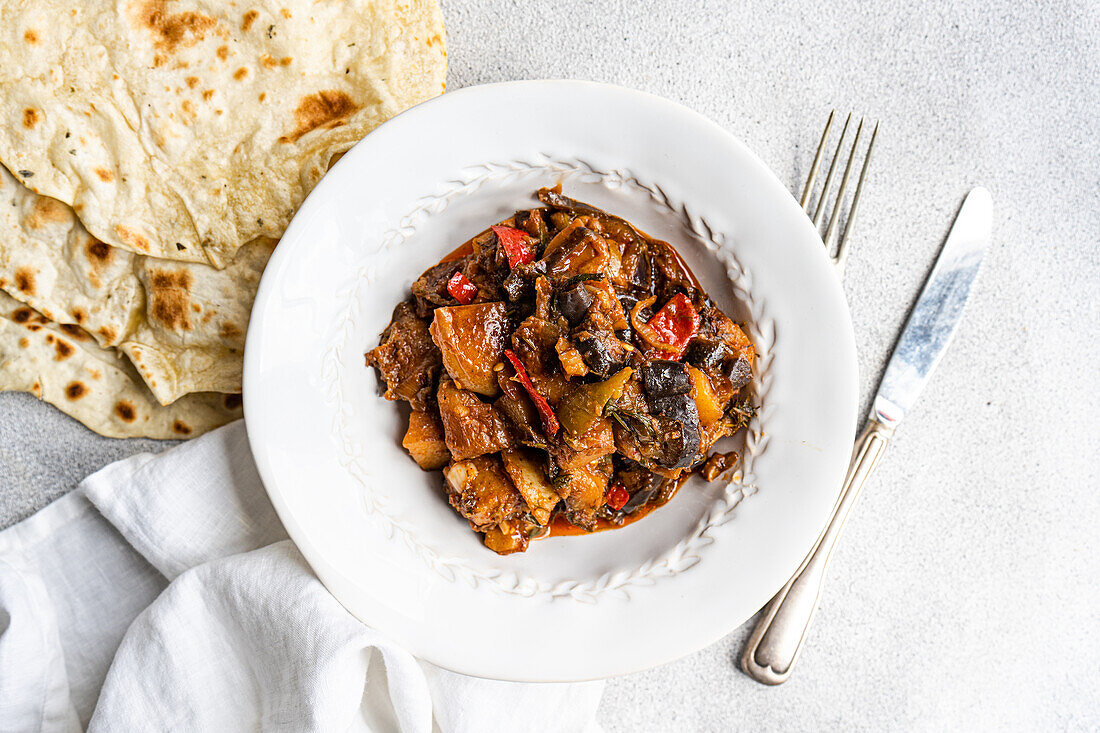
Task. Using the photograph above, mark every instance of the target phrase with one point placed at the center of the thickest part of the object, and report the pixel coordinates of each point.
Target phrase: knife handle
(777, 639)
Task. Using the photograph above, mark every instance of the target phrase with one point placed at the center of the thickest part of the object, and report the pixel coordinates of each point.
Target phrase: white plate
(377, 529)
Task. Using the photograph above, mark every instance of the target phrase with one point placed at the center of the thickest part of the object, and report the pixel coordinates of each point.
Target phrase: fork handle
(777, 639)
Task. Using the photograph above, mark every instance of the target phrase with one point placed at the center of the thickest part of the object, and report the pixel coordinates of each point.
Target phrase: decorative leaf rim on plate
(679, 558)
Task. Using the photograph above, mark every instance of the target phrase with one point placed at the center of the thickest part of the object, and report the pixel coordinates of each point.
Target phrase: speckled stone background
(965, 594)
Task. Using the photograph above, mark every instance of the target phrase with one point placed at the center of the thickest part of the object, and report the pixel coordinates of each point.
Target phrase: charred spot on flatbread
(170, 301)
(248, 19)
(125, 410)
(75, 332)
(47, 211)
(24, 280)
(229, 331)
(132, 238)
(327, 108)
(171, 30)
(75, 390)
(31, 117)
(98, 251)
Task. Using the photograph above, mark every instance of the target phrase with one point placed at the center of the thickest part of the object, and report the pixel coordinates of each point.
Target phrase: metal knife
(777, 639)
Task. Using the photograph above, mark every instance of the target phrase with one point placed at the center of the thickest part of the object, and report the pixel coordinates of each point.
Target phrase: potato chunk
(529, 478)
(471, 427)
(481, 491)
(583, 491)
(424, 441)
(472, 339)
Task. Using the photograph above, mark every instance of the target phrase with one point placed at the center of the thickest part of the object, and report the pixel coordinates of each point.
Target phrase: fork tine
(829, 178)
(834, 220)
(812, 178)
(842, 248)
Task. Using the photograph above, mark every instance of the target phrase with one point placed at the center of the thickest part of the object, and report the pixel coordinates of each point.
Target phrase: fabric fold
(201, 501)
(244, 637)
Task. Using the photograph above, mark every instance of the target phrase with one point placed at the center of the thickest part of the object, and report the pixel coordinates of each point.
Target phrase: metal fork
(780, 633)
(841, 256)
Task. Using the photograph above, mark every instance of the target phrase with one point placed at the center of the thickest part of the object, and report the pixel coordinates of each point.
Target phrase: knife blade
(935, 318)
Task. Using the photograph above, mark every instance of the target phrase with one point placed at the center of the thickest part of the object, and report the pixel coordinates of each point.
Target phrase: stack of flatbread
(155, 151)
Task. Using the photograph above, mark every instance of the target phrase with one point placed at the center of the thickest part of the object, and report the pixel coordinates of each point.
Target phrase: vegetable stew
(566, 372)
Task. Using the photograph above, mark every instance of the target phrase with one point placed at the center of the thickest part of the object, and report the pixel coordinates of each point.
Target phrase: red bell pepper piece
(676, 323)
(461, 289)
(617, 497)
(549, 419)
(516, 244)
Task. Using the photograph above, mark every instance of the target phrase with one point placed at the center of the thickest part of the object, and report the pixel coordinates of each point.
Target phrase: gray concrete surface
(964, 595)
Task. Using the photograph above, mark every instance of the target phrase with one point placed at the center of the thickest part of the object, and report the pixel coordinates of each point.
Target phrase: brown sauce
(684, 269)
(463, 249)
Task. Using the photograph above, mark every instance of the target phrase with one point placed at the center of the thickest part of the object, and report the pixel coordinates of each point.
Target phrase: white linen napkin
(243, 638)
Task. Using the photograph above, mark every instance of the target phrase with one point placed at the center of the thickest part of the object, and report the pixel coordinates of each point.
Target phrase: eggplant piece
(664, 378)
(635, 269)
(706, 354)
(575, 302)
(641, 498)
(517, 287)
(535, 342)
(740, 372)
(520, 283)
(680, 432)
(596, 355)
(556, 200)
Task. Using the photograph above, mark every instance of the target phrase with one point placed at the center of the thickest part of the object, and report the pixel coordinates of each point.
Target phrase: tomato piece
(516, 244)
(546, 413)
(461, 289)
(617, 497)
(676, 324)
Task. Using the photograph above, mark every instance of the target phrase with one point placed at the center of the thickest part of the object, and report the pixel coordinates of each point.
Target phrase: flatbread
(64, 366)
(184, 129)
(181, 324)
(190, 337)
(51, 263)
